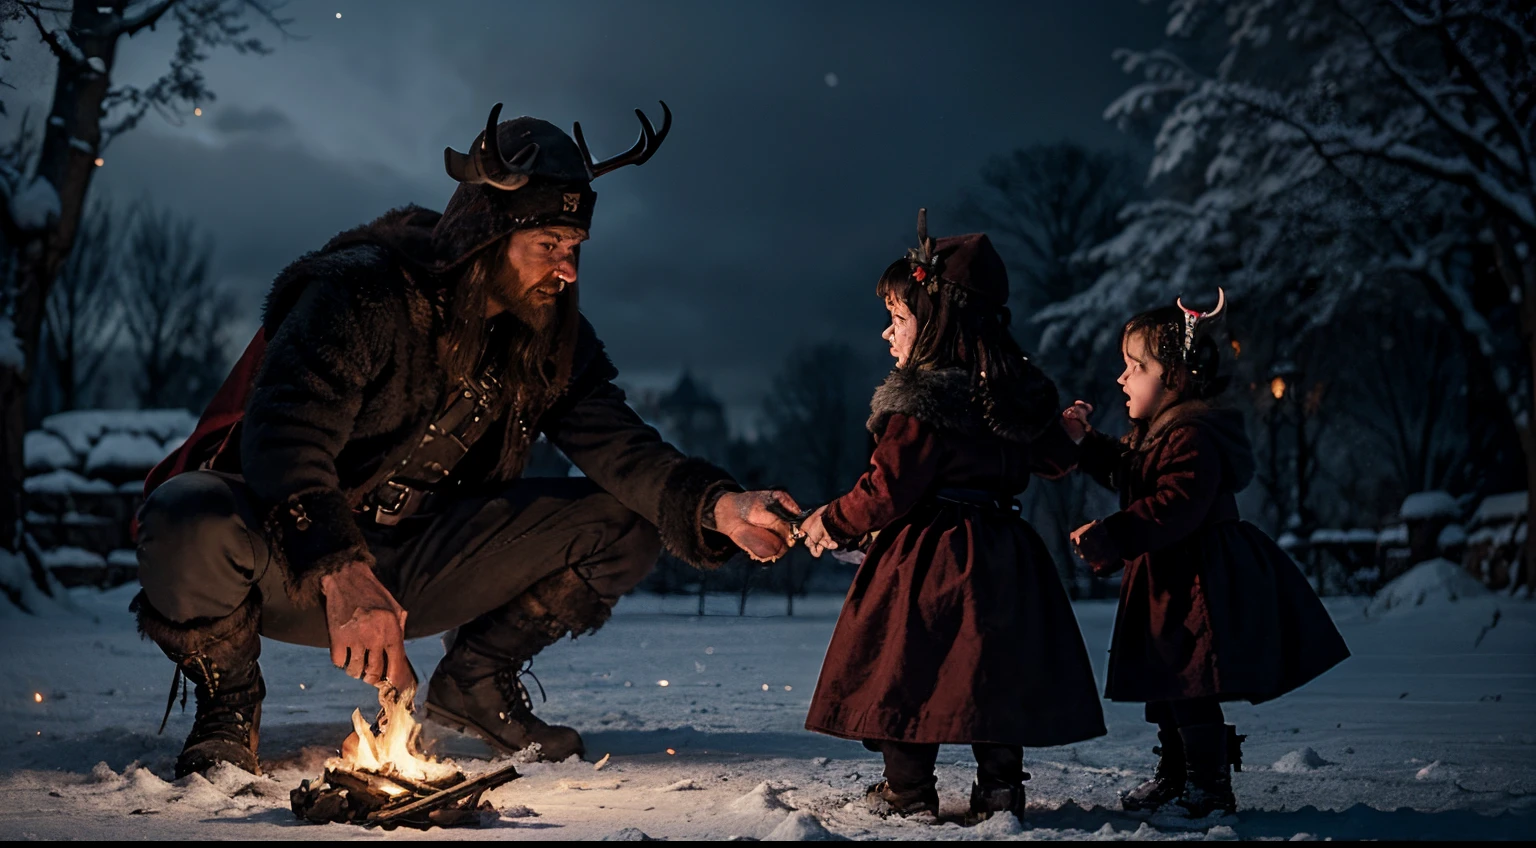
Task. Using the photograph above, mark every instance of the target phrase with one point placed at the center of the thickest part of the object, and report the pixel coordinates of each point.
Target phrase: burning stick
(382, 779)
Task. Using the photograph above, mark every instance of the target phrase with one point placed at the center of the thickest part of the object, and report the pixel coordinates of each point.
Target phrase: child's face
(902, 332)
(1142, 380)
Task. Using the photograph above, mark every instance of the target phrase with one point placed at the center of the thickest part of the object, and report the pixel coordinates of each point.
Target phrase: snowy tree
(42, 196)
(1339, 147)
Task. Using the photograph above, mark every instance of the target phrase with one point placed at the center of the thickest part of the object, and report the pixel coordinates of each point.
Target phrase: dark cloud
(760, 225)
(233, 120)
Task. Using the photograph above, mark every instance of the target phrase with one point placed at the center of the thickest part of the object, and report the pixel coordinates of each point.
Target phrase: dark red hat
(969, 265)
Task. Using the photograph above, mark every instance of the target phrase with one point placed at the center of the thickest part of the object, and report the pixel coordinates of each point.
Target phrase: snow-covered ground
(1427, 732)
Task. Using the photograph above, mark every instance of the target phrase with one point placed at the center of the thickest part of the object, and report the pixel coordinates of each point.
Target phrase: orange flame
(393, 750)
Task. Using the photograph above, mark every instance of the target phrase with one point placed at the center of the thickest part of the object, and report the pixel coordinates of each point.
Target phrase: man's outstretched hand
(747, 520)
(367, 628)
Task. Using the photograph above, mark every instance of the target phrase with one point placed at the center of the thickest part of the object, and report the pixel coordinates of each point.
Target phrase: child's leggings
(1190, 712)
(909, 765)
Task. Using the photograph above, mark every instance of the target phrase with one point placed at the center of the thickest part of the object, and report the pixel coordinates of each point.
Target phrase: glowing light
(662, 683)
(627, 684)
(765, 687)
(198, 111)
(1277, 387)
(1237, 348)
(392, 751)
(100, 161)
(671, 753)
(338, 16)
(37, 697)
(302, 686)
(789, 688)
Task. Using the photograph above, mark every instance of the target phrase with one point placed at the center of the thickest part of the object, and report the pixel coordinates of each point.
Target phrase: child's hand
(1074, 419)
(816, 538)
(1095, 549)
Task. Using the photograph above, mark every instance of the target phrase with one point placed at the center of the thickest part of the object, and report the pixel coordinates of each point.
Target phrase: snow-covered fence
(85, 476)
(1496, 539)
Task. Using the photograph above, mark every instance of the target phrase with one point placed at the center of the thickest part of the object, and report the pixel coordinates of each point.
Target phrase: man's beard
(533, 306)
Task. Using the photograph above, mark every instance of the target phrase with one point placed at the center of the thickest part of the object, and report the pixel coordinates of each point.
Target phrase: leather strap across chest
(465, 418)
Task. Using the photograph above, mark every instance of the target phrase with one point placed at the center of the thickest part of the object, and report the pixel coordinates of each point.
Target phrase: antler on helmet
(644, 148)
(485, 163)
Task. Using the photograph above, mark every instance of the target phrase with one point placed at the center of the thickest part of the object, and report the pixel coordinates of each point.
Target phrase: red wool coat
(1209, 604)
(956, 628)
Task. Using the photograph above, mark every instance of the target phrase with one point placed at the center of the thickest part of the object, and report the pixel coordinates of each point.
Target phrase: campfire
(382, 779)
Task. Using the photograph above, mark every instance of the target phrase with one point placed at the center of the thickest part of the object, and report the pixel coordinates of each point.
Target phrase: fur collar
(940, 398)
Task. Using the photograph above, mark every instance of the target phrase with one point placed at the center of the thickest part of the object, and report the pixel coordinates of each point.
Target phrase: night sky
(805, 137)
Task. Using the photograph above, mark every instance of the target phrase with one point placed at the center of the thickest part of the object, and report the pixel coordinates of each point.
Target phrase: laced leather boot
(884, 801)
(1166, 783)
(219, 657)
(478, 688)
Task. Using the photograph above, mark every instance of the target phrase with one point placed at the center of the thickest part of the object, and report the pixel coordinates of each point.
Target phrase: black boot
(477, 688)
(219, 656)
(1167, 782)
(1208, 762)
(999, 784)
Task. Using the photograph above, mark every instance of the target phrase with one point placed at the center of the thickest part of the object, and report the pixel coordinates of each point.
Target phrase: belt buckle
(391, 515)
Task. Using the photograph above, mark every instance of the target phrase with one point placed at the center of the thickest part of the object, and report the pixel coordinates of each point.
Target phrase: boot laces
(512, 688)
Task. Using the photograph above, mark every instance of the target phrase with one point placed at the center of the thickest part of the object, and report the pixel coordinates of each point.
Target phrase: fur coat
(957, 628)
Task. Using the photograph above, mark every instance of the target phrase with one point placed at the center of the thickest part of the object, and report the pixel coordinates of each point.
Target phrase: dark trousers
(201, 552)
(1191, 712)
(909, 765)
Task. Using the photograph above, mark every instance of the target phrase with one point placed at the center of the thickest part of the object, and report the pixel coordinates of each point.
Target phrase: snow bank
(1421, 506)
(1433, 582)
(1393, 536)
(1500, 508)
(46, 452)
(82, 428)
(124, 453)
(66, 483)
(801, 826)
(1300, 762)
(73, 558)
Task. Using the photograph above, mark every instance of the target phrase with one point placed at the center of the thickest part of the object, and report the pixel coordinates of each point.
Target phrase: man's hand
(816, 538)
(746, 519)
(367, 628)
(1074, 419)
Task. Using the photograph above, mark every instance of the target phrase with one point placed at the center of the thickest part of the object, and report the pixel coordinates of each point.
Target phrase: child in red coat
(1211, 609)
(956, 629)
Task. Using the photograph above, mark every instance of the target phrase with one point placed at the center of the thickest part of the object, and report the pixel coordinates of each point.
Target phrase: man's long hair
(1014, 396)
(533, 366)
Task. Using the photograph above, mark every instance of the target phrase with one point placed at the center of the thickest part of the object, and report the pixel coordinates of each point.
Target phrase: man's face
(540, 264)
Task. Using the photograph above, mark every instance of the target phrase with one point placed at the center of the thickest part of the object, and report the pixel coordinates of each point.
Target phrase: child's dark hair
(1194, 375)
(1016, 399)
